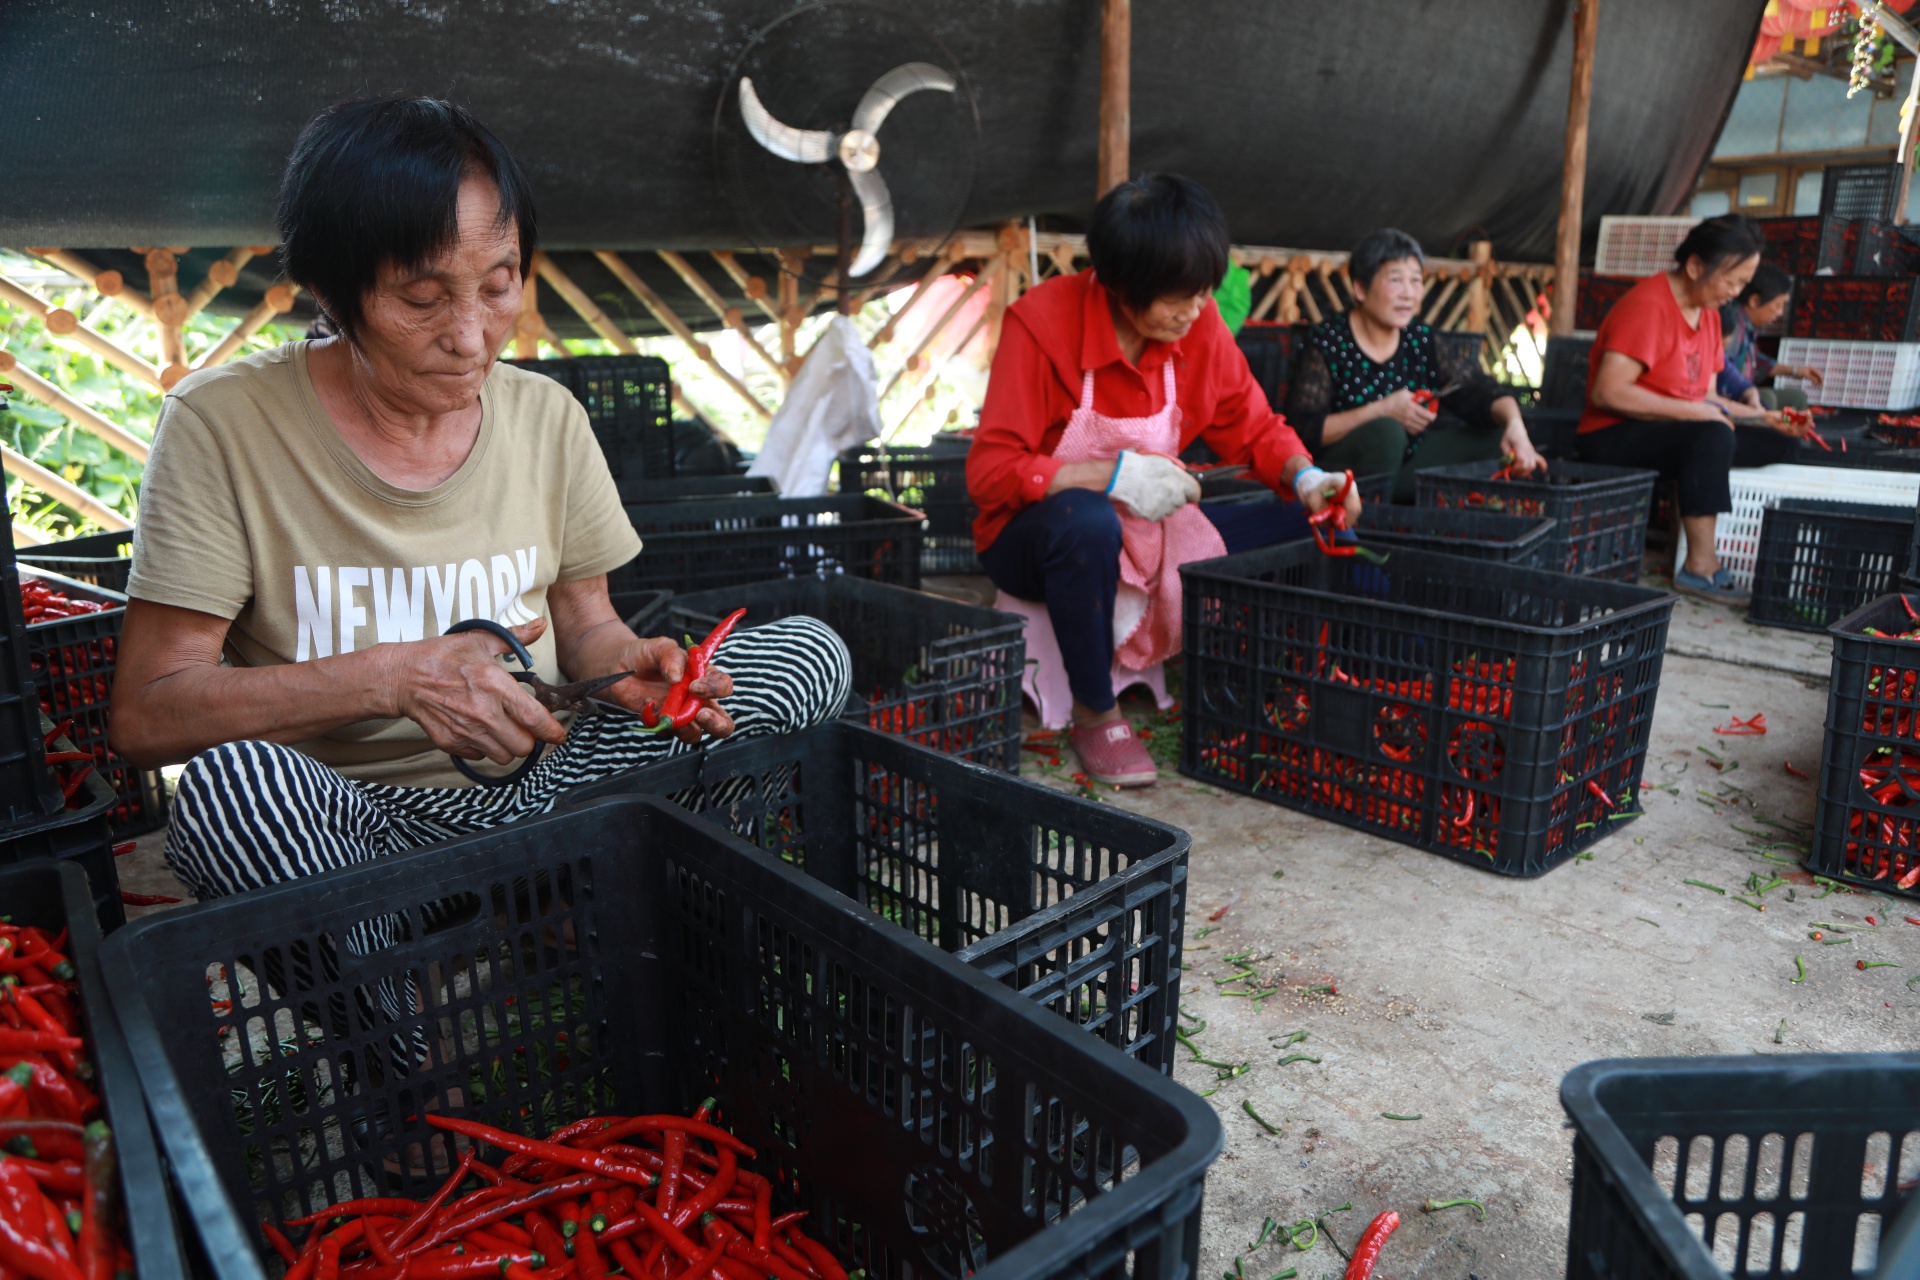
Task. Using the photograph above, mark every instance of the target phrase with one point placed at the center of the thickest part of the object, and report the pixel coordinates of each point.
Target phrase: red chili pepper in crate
(680, 706)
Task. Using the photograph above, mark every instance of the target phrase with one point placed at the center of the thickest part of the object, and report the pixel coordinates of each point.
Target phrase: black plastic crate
(1554, 432)
(78, 835)
(1913, 550)
(640, 609)
(935, 671)
(1597, 296)
(1809, 246)
(681, 488)
(1700, 1168)
(1860, 191)
(1599, 512)
(1080, 907)
(1867, 823)
(1466, 708)
(628, 958)
(73, 661)
(55, 896)
(1883, 249)
(629, 402)
(1268, 347)
(720, 542)
(931, 479)
(98, 559)
(1855, 308)
(1563, 381)
(27, 790)
(1818, 561)
(1478, 535)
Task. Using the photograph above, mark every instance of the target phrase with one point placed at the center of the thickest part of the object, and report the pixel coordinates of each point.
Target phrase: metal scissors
(577, 696)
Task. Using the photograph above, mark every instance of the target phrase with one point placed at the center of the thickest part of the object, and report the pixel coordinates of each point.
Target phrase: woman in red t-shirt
(1650, 388)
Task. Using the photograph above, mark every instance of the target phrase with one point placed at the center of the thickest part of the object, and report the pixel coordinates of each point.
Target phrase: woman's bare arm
(1616, 389)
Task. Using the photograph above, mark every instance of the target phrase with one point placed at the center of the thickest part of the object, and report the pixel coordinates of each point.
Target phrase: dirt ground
(1418, 986)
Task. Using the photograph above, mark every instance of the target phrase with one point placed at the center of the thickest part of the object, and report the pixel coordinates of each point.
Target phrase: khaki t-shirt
(254, 509)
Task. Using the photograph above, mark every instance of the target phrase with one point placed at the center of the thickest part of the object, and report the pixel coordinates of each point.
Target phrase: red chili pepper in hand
(1372, 1240)
(1334, 516)
(681, 706)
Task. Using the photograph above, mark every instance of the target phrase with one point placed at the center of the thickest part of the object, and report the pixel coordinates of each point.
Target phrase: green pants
(1379, 446)
(1783, 398)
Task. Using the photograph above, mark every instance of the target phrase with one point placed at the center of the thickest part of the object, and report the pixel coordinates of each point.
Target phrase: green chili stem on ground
(1434, 1206)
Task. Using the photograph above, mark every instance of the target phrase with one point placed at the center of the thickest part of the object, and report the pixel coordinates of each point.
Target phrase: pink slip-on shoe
(1113, 755)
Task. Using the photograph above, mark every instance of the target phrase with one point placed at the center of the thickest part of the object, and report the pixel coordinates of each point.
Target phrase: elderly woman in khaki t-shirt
(317, 516)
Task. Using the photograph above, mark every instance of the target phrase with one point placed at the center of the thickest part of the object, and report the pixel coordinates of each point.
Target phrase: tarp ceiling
(166, 121)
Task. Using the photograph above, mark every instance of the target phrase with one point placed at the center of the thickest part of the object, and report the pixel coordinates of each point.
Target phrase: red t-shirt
(1064, 326)
(1646, 325)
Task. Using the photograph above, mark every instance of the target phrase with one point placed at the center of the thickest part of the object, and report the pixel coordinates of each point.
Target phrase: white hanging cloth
(832, 405)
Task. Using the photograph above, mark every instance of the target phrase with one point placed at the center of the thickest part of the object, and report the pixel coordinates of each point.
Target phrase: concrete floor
(1463, 998)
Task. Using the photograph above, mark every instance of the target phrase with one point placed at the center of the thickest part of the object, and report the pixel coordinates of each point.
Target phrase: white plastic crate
(1638, 246)
(1737, 535)
(1857, 375)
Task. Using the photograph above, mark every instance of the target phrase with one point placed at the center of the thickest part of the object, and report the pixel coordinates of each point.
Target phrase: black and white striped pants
(248, 814)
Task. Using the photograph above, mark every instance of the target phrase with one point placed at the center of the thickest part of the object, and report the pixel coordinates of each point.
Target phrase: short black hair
(377, 180)
(1769, 282)
(1719, 241)
(1160, 234)
(1388, 244)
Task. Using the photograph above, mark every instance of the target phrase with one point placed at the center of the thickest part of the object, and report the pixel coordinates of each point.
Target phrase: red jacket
(1063, 327)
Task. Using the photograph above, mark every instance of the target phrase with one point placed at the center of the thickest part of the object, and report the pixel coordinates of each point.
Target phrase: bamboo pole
(583, 306)
(729, 316)
(108, 284)
(934, 373)
(1116, 73)
(27, 382)
(753, 287)
(223, 274)
(1437, 302)
(675, 325)
(935, 271)
(790, 313)
(31, 536)
(1272, 297)
(276, 300)
(62, 324)
(980, 281)
(68, 495)
(170, 309)
(1573, 169)
(1481, 251)
(553, 340)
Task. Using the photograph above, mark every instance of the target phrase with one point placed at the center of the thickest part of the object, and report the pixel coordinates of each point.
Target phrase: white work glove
(1153, 486)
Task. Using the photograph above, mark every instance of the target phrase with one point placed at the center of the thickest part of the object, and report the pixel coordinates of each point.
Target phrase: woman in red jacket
(1099, 381)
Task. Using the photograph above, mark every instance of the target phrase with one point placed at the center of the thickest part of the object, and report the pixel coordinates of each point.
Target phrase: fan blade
(807, 146)
(908, 78)
(876, 213)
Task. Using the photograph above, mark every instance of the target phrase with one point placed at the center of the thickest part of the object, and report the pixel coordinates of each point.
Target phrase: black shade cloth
(166, 121)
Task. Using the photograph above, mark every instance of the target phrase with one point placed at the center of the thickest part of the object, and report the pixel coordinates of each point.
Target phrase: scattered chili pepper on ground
(1753, 726)
(1372, 1240)
(1221, 913)
(1875, 964)
(1788, 766)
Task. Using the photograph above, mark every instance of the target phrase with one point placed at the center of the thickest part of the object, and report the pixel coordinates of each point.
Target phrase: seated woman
(1099, 381)
(315, 517)
(1351, 395)
(1650, 389)
(1762, 302)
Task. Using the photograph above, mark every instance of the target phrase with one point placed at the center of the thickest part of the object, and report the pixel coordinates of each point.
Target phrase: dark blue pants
(1065, 551)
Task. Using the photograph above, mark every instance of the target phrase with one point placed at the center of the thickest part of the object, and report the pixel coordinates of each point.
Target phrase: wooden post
(528, 326)
(790, 313)
(753, 286)
(57, 488)
(1116, 90)
(1573, 168)
(1481, 251)
(729, 316)
(1907, 142)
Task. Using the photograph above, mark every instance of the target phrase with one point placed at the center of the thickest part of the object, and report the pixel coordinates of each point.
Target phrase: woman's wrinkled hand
(455, 689)
(657, 664)
(1408, 412)
(1519, 445)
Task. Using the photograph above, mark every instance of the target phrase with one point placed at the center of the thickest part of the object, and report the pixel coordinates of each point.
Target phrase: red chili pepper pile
(69, 676)
(680, 706)
(661, 1197)
(1476, 753)
(41, 603)
(70, 768)
(59, 1210)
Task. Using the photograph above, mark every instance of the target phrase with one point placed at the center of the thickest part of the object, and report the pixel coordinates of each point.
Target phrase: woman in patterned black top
(1351, 397)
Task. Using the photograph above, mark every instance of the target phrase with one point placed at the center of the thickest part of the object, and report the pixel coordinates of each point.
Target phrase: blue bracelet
(1116, 471)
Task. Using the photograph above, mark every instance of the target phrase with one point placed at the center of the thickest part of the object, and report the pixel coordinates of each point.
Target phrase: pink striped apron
(1146, 613)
